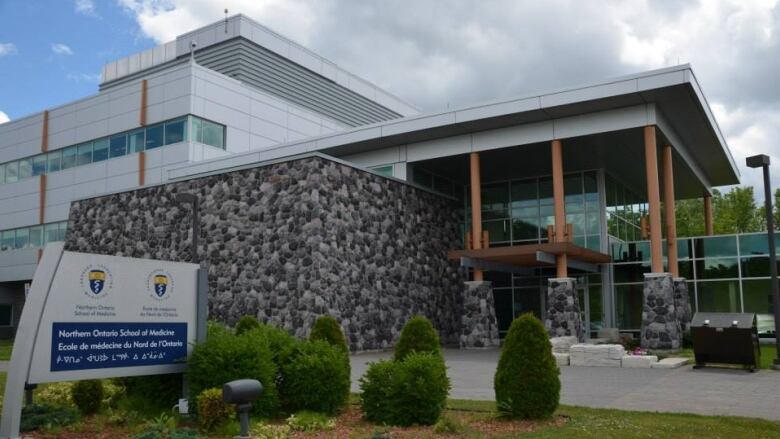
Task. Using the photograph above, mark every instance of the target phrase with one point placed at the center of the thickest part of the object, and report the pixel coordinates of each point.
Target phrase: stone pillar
(682, 303)
(478, 323)
(563, 309)
(660, 327)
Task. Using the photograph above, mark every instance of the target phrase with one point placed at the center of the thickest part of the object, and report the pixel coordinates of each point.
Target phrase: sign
(91, 316)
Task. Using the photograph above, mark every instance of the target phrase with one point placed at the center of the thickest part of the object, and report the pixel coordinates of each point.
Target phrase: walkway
(705, 391)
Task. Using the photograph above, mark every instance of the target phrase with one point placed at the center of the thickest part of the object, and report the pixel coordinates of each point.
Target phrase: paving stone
(670, 363)
(561, 359)
(638, 361)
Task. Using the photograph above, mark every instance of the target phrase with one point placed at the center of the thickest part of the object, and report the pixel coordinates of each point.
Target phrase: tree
(736, 211)
(690, 217)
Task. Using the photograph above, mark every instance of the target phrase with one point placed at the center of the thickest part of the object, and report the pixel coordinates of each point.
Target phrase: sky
(434, 54)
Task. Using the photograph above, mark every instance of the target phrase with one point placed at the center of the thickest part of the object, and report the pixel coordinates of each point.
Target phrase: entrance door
(584, 297)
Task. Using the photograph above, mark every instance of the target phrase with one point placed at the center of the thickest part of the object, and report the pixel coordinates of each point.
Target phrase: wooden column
(708, 230)
(671, 218)
(42, 199)
(476, 208)
(142, 116)
(141, 168)
(560, 210)
(45, 132)
(653, 200)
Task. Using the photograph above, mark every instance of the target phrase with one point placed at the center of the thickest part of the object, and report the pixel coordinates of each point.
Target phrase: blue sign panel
(77, 346)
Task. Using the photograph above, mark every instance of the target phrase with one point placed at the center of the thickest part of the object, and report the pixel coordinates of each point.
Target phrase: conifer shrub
(376, 390)
(88, 396)
(314, 377)
(225, 357)
(526, 382)
(246, 323)
(326, 328)
(418, 335)
(278, 340)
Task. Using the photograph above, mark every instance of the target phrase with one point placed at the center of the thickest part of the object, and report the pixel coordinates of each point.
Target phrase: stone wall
(291, 241)
(660, 324)
(563, 309)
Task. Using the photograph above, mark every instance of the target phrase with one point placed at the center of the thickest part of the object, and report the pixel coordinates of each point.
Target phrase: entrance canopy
(529, 256)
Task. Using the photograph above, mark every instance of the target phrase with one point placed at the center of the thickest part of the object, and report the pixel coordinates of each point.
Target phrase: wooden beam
(708, 229)
(45, 132)
(141, 168)
(42, 199)
(476, 208)
(669, 211)
(558, 200)
(142, 116)
(481, 264)
(653, 199)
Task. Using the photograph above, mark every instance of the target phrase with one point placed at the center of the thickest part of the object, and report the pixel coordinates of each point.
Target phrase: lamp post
(185, 198)
(762, 161)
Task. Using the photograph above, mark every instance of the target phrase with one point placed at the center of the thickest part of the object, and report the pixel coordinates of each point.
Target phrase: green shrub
(150, 394)
(310, 421)
(88, 396)
(526, 382)
(55, 393)
(376, 390)
(225, 357)
(326, 328)
(418, 335)
(36, 416)
(411, 391)
(278, 340)
(270, 431)
(314, 377)
(246, 323)
(449, 425)
(212, 410)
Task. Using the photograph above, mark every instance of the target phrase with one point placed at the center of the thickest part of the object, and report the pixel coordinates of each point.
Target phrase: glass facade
(725, 273)
(33, 236)
(624, 210)
(118, 145)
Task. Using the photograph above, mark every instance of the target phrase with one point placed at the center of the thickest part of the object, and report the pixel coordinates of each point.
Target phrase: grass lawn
(768, 355)
(5, 349)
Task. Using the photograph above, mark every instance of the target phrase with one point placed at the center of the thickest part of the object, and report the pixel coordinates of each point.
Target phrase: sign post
(92, 316)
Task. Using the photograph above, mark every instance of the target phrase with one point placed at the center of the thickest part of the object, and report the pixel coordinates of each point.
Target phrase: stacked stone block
(563, 309)
(479, 326)
(288, 242)
(660, 324)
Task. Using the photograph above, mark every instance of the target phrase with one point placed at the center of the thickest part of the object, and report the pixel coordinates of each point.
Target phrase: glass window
(524, 198)
(756, 267)
(118, 145)
(719, 296)
(716, 246)
(495, 197)
(525, 228)
(55, 161)
(62, 229)
(386, 170)
(720, 268)
(154, 137)
(502, 298)
(196, 130)
(757, 295)
(22, 238)
(213, 134)
(36, 236)
(11, 172)
(100, 150)
(630, 272)
(39, 164)
(135, 141)
(69, 157)
(498, 231)
(6, 314)
(422, 177)
(175, 132)
(25, 168)
(756, 244)
(51, 232)
(572, 189)
(84, 156)
(7, 239)
(629, 302)
(2, 173)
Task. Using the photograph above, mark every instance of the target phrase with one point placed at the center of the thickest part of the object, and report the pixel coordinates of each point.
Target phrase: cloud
(436, 54)
(61, 49)
(84, 77)
(85, 7)
(4, 117)
(8, 49)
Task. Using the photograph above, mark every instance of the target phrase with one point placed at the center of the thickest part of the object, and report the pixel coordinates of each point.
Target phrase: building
(322, 193)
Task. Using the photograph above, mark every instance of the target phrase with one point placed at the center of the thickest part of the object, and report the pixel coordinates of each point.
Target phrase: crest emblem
(97, 280)
(160, 284)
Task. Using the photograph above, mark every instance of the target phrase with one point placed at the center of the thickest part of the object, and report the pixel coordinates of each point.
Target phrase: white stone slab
(670, 363)
(638, 361)
(561, 359)
(562, 344)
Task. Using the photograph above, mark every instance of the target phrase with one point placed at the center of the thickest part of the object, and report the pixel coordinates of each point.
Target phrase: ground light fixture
(186, 198)
(762, 161)
(242, 393)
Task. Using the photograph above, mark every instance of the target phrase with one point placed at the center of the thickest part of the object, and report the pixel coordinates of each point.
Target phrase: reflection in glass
(757, 294)
(719, 296)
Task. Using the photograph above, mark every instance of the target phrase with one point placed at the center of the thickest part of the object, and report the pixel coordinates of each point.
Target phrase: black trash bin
(725, 338)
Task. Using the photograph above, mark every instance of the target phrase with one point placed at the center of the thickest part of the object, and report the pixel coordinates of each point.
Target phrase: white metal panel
(375, 158)
(600, 122)
(517, 135)
(438, 148)
(587, 93)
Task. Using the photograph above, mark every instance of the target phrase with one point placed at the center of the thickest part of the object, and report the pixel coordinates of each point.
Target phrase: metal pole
(770, 225)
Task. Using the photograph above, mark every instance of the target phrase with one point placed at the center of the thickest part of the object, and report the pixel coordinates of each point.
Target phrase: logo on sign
(96, 281)
(160, 284)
